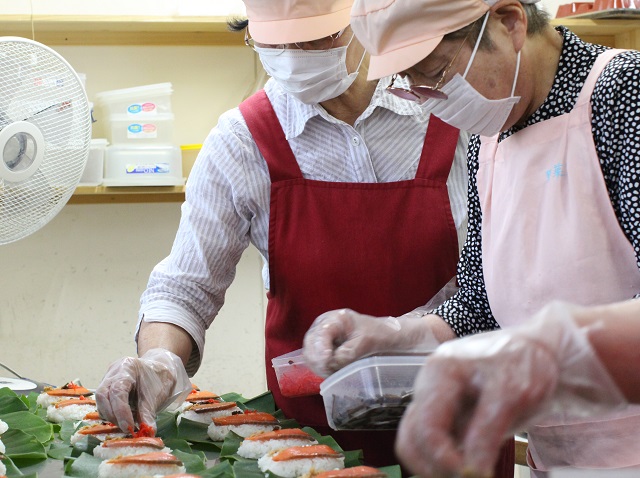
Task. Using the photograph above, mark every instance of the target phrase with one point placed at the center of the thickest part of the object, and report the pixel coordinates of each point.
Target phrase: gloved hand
(473, 393)
(141, 387)
(339, 337)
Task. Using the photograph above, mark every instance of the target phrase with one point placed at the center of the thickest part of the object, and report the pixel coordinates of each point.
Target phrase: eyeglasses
(321, 44)
(420, 93)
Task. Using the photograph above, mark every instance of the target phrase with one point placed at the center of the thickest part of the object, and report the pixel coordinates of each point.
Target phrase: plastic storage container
(370, 394)
(94, 169)
(295, 379)
(144, 100)
(123, 129)
(143, 166)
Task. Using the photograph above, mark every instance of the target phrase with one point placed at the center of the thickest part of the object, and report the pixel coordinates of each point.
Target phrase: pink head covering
(400, 33)
(290, 21)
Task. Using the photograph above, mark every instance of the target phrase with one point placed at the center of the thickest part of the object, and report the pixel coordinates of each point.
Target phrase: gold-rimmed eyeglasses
(421, 93)
(321, 44)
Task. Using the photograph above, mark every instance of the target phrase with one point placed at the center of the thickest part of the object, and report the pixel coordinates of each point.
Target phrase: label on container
(137, 108)
(154, 168)
(142, 130)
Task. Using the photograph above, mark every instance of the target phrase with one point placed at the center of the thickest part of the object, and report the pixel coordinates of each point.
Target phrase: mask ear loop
(515, 77)
(475, 48)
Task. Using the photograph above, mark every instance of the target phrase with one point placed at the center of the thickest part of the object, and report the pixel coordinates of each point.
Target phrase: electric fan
(45, 134)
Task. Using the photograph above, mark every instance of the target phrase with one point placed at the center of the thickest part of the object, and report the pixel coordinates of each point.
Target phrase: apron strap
(589, 84)
(438, 151)
(268, 134)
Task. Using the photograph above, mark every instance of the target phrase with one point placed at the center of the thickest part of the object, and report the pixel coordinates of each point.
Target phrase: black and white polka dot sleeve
(616, 131)
(468, 312)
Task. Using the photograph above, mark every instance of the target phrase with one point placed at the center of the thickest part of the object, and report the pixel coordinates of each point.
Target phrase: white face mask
(312, 76)
(467, 109)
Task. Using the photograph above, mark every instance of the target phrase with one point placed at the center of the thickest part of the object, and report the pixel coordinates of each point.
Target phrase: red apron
(378, 248)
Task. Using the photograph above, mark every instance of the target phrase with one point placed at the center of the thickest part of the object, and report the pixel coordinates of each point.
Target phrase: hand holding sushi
(339, 337)
(473, 393)
(135, 389)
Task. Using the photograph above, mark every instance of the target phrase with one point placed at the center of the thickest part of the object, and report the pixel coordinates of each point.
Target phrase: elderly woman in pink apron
(554, 186)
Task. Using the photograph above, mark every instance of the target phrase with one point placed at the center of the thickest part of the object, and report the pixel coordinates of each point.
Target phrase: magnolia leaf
(193, 431)
(85, 466)
(29, 423)
(193, 462)
(166, 425)
(10, 402)
(221, 470)
(22, 448)
(59, 451)
(393, 471)
(263, 403)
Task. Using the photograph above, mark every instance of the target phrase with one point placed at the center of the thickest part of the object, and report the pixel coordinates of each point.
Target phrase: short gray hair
(537, 22)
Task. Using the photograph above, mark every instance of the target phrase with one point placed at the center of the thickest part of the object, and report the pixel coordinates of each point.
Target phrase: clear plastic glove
(141, 387)
(340, 337)
(473, 393)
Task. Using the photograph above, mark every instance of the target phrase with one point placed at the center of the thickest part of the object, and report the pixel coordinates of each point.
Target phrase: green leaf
(166, 425)
(193, 462)
(193, 431)
(67, 429)
(29, 423)
(12, 469)
(85, 444)
(10, 402)
(22, 448)
(393, 471)
(221, 470)
(85, 466)
(263, 403)
(177, 444)
(59, 451)
(32, 401)
(247, 469)
(353, 458)
(233, 397)
(230, 446)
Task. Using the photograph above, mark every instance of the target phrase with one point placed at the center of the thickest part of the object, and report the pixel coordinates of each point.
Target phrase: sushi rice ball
(150, 464)
(92, 418)
(3, 428)
(52, 395)
(300, 460)
(243, 424)
(205, 412)
(354, 472)
(260, 444)
(115, 447)
(102, 431)
(71, 409)
(198, 396)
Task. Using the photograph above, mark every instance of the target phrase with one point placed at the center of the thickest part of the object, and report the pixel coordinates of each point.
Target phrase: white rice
(218, 433)
(206, 417)
(3, 427)
(3, 469)
(299, 466)
(107, 453)
(255, 449)
(109, 470)
(3, 449)
(77, 436)
(70, 412)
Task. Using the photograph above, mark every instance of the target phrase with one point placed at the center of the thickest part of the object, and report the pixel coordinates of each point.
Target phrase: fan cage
(38, 86)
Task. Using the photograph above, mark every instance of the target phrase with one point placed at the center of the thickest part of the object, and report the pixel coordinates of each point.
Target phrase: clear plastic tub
(143, 166)
(370, 394)
(156, 129)
(295, 379)
(147, 100)
(94, 169)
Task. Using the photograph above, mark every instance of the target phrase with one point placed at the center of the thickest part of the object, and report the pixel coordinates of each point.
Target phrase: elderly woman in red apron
(554, 189)
(351, 199)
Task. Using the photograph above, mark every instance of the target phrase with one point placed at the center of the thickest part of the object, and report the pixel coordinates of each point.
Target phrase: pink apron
(549, 232)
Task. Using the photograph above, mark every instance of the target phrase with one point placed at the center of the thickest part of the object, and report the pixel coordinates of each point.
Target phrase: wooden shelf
(121, 30)
(614, 33)
(140, 30)
(122, 195)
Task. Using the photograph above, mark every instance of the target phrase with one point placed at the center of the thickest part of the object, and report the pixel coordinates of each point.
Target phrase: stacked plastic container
(139, 128)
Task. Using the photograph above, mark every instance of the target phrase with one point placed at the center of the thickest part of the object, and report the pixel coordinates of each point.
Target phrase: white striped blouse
(228, 192)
